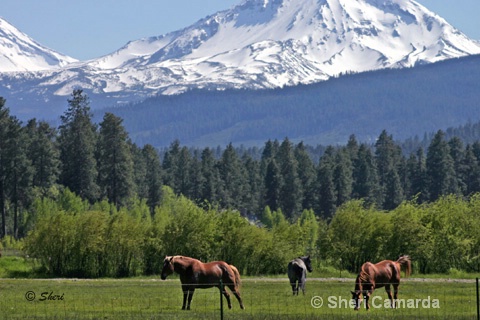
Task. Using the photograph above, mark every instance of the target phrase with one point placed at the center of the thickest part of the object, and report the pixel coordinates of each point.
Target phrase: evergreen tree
(365, 181)
(115, 165)
(182, 173)
(290, 189)
(77, 141)
(393, 191)
(471, 174)
(387, 158)
(4, 163)
(269, 152)
(196, 178)
(272, 186)
(232, 179)
(44, 155)
(210, 180)
(15, 169)
(457, 152)
(153, 177)
(342, 176)
(326, 193)
(306, 175)
(169, 165)
(21, 173)
(440, 168)
(252, 194)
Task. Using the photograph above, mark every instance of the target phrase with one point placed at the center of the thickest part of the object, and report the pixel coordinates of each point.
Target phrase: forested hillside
(83, 180)
(405, 102)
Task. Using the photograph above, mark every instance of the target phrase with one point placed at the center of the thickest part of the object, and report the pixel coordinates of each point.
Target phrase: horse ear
(352, 292)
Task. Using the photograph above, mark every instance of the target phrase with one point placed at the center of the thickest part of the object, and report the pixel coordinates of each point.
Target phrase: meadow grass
(264, 298)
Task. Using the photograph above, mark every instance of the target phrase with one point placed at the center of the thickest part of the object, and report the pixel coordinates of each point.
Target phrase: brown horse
(382, 274)
(196, 274)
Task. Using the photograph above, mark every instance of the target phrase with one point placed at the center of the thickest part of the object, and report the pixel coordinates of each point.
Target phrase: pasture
(264, 298)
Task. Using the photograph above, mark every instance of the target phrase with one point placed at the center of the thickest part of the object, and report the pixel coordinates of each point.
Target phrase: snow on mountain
(18, 52)
(256, 44)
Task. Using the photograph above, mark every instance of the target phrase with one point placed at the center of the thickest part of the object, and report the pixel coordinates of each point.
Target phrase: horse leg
(227, 296)
(190, 296)
(302, 285)
(395, 293)
(389, 294)
(236, 293)
(367, 304)
(303, 281)
(185, 297)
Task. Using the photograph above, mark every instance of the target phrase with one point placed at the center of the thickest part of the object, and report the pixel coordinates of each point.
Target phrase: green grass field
(28, 297)
(267, 298)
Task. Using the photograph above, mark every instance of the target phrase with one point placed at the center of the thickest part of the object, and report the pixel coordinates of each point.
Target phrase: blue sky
(92, 28)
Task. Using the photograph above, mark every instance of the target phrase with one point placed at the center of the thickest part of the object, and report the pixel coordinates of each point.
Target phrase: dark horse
(297, 273)
(196, 274)
(382, 274)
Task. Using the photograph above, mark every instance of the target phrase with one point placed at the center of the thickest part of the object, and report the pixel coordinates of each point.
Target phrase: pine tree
(342, 176)
(44, 155)
(290, 189)
(170, 165)
(115, 165)
(153, 177)
(326, 193)
(4, 163)
(252, 194)
(210, 179)
(440, 168)
(20, 172)
(77, 141)
(15, 169)
(472, 172)
(272, 183)
(365, 180)
(306, 175)
(457, 152)
(232, 179)
(387, 158)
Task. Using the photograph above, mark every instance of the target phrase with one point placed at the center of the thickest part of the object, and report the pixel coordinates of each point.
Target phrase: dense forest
(88, 202)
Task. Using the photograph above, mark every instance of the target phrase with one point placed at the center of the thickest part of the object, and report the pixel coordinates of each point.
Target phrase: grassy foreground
(263, 298)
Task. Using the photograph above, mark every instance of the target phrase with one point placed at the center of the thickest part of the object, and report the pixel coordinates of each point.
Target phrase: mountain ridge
(19, 52)
(405, 102)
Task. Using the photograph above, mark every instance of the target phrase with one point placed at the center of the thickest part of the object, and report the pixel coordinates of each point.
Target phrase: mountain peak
(259, 44)
(18, 52)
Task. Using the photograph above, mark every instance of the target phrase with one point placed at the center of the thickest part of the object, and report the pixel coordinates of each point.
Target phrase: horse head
(357, 298)
(168, 267)
(308, 263)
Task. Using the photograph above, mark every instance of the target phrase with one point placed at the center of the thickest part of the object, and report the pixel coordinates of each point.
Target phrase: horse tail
(236, 275)
(406, 263)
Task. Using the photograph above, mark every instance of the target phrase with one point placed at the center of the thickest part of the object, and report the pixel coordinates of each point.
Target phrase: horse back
(386, 272)
(296, 269)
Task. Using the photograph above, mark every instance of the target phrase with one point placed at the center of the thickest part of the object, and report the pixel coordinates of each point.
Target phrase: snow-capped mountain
(256, 44)
(18, 52)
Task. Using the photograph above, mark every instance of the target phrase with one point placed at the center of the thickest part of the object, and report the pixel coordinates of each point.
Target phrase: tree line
(99, 162)
(88, 202)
